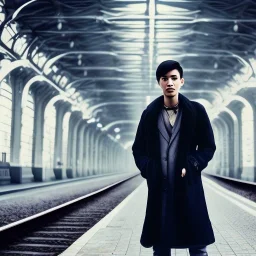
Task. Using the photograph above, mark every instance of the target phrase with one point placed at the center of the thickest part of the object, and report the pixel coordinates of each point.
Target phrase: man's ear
(182, 81)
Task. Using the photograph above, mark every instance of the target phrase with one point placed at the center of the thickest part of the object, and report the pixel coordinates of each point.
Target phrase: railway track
(51, 232)
(243, 188)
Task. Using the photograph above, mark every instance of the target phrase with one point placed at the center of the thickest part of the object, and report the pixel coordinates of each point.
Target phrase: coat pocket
(193, 172)
(192, 160)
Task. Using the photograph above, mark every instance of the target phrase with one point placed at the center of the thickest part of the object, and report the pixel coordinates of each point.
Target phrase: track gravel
(19, 205)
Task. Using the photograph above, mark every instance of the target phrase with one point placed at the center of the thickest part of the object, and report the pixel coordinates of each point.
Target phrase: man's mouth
(170, 89)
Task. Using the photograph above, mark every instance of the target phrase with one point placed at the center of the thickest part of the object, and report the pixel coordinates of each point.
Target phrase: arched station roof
(108, 51)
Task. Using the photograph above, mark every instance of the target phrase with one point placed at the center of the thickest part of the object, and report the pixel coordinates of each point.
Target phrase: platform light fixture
(59, 25)
(71, 44)
(117, 129)
(235, 28)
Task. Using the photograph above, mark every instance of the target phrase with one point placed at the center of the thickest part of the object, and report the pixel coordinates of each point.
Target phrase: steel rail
(35, 216)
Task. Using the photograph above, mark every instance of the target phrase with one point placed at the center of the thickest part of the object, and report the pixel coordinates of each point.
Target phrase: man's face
(171, 83)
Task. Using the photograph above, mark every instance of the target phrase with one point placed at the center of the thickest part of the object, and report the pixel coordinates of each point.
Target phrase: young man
(173, 144)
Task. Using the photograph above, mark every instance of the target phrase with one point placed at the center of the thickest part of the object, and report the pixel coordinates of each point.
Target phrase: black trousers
(195, 251)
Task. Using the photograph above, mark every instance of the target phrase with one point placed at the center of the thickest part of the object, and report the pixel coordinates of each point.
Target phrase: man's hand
(183, 172)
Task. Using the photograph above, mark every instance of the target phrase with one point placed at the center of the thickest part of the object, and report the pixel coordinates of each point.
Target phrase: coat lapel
(162, 127)
(176, 127)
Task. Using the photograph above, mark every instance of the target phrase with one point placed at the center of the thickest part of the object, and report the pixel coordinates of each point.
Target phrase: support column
(58, 150)
(15, 167)
(37, 156)
(80, 148)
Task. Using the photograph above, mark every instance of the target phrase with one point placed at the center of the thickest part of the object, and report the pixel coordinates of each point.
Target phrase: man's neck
(171, 101)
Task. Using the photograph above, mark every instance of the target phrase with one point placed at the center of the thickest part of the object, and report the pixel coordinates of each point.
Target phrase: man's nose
(170, 82)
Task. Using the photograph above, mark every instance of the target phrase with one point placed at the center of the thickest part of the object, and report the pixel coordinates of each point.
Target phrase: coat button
(165, 158)
(164, 178)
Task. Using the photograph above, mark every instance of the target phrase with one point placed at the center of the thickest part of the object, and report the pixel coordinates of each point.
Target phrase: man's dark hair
(167, 66)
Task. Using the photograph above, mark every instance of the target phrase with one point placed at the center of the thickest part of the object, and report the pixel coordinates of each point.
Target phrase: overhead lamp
(117, 129)
(235, 28)
(99, 125)
(71, 44)
(79, 63)
(118, 136)
(215, 65)
(59, 25)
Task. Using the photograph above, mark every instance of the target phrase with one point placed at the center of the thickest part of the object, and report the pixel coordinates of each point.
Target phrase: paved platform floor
(11, 188)
(233, 219)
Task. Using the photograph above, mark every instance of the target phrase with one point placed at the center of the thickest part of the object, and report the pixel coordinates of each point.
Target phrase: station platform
(12, 188)
(233, 219)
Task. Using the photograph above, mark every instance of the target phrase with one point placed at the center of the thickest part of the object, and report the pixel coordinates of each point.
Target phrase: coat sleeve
(205, 141)
(139, 148)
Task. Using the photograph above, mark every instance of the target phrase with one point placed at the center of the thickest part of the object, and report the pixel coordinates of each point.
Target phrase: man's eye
(165, 79)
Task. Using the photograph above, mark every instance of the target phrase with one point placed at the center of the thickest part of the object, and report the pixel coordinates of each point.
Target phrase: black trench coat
(193, 226)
